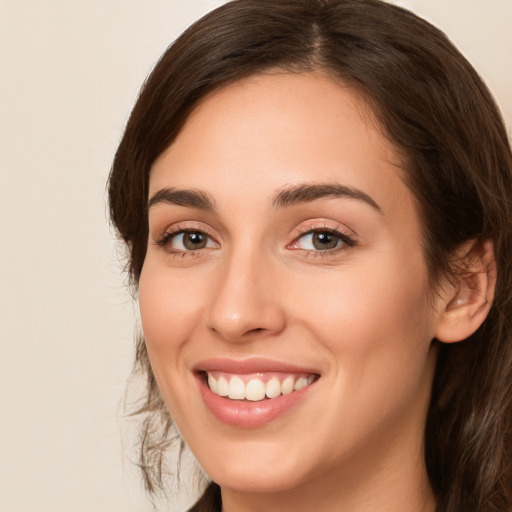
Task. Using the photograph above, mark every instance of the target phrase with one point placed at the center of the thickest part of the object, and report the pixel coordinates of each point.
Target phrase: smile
(256, 387)
(251, 393)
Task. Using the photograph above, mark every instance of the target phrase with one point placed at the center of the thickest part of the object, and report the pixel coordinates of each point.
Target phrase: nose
(246, 300)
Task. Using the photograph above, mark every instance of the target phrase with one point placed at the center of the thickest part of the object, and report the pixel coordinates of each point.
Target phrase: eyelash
(167, 237)
(346, 240)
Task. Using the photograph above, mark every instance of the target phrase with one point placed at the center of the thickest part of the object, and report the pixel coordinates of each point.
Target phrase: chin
(261, 480)
(253, 467)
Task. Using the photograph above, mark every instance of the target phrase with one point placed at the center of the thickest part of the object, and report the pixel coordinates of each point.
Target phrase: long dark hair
(436, 110)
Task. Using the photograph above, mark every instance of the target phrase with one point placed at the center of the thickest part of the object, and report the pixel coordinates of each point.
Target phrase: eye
(319, 241)
(322, 240)
(186, 241)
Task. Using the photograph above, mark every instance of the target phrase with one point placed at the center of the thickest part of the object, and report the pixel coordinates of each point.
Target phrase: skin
(362, 315)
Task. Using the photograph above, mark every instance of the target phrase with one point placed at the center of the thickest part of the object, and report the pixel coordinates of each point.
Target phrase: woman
(316, 199)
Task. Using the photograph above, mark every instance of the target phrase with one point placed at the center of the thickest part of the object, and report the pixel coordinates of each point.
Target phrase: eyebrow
(310, 192)
(187, 197)
(304, 193)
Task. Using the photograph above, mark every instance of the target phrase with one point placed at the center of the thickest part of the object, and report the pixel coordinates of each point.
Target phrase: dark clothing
(210, 501)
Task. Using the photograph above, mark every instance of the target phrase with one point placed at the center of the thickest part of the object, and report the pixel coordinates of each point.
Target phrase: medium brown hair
(457, 161)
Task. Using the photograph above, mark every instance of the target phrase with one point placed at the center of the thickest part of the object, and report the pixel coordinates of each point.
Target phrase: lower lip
(247, 414)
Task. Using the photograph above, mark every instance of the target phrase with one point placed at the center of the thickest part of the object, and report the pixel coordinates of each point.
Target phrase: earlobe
(469, 296)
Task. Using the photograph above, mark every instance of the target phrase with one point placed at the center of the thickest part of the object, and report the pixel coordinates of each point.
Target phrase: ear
(467, 297)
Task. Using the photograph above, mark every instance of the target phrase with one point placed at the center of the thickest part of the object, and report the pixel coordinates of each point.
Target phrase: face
(284, 296)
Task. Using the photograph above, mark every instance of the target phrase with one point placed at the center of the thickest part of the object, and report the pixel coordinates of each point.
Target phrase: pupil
(324, 241)
(194, 241)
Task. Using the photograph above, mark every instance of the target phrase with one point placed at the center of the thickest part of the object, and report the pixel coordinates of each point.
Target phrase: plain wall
(69, 74)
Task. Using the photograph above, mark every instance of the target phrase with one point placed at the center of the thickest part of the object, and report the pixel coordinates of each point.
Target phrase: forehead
(271, 130)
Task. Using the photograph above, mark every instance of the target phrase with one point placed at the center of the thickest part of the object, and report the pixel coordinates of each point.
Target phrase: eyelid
(345, 234)
(165, 236)
(322, 225)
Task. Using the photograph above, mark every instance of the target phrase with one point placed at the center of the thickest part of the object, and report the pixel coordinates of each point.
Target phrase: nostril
(256, 330)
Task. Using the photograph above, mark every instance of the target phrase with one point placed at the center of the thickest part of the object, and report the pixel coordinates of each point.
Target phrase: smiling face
(284, 260)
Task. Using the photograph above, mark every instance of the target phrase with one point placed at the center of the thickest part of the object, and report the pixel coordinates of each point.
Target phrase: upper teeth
(255, 389)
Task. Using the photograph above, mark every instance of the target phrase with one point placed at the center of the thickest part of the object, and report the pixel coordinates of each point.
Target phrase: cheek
(169, 307)
(375, 322)
(376, 332)
(169, 310)
(352, 303)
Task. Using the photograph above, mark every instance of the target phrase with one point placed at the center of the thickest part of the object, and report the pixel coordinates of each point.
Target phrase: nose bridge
(244, 302)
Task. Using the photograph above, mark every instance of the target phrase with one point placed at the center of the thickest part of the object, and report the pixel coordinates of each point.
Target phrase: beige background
(69, 73)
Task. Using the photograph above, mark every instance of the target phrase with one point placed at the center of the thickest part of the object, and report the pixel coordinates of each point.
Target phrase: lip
(252, 365)
(244, 413)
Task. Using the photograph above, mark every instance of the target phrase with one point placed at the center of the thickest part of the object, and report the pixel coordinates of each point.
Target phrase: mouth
(253, 392)
(256, 387)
